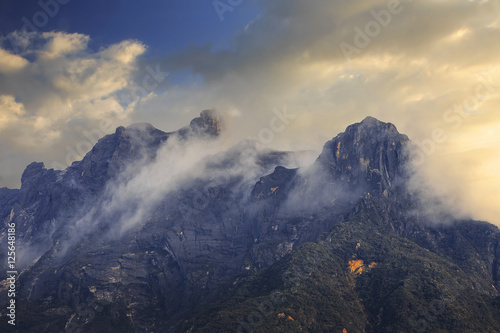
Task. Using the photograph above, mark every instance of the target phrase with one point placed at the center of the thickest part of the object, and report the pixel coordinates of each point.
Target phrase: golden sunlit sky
(431, 67)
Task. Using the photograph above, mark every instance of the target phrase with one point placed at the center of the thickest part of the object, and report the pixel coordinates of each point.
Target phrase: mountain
(172, 232)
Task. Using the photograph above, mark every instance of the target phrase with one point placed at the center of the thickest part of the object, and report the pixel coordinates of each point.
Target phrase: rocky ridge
(230, 241)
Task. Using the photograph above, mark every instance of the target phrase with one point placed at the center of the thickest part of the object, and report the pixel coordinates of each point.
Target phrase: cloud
(433, 66)
(139, 189)
(194, 164)
(10, 110)
(60, 44)
(55, 89)
(11, 63)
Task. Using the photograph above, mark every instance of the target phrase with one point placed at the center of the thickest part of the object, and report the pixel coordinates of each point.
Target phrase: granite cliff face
(369, 154)
(104, 248)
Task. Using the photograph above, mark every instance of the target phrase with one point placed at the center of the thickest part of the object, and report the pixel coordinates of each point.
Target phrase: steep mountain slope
(363, 276)
(156, 231)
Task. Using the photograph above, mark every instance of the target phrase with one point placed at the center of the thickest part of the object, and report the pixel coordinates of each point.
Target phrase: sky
(72, 71)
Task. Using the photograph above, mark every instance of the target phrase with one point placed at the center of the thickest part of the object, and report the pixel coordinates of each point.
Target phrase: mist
(181, 164)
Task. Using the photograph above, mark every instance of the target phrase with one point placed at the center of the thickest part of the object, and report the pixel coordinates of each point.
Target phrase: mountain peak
(201, 241)
(373, 124)
(370, 120)
(208, 123)
(368, 154)
(141, 127)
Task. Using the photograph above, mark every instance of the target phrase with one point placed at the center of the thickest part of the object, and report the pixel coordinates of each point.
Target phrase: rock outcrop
(252, 229)
(370, 154)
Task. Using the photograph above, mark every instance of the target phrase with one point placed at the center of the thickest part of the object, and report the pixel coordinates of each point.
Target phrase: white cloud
(125, 52)
(11, 63)
(65, 88)
(10, 110)
(59, 44)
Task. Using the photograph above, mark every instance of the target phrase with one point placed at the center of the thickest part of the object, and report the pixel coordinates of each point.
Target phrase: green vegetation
(312, 289)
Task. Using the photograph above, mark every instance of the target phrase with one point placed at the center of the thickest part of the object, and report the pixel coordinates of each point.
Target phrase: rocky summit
(168, 232)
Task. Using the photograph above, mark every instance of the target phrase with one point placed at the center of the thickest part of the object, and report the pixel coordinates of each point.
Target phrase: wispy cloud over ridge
(421, 64)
